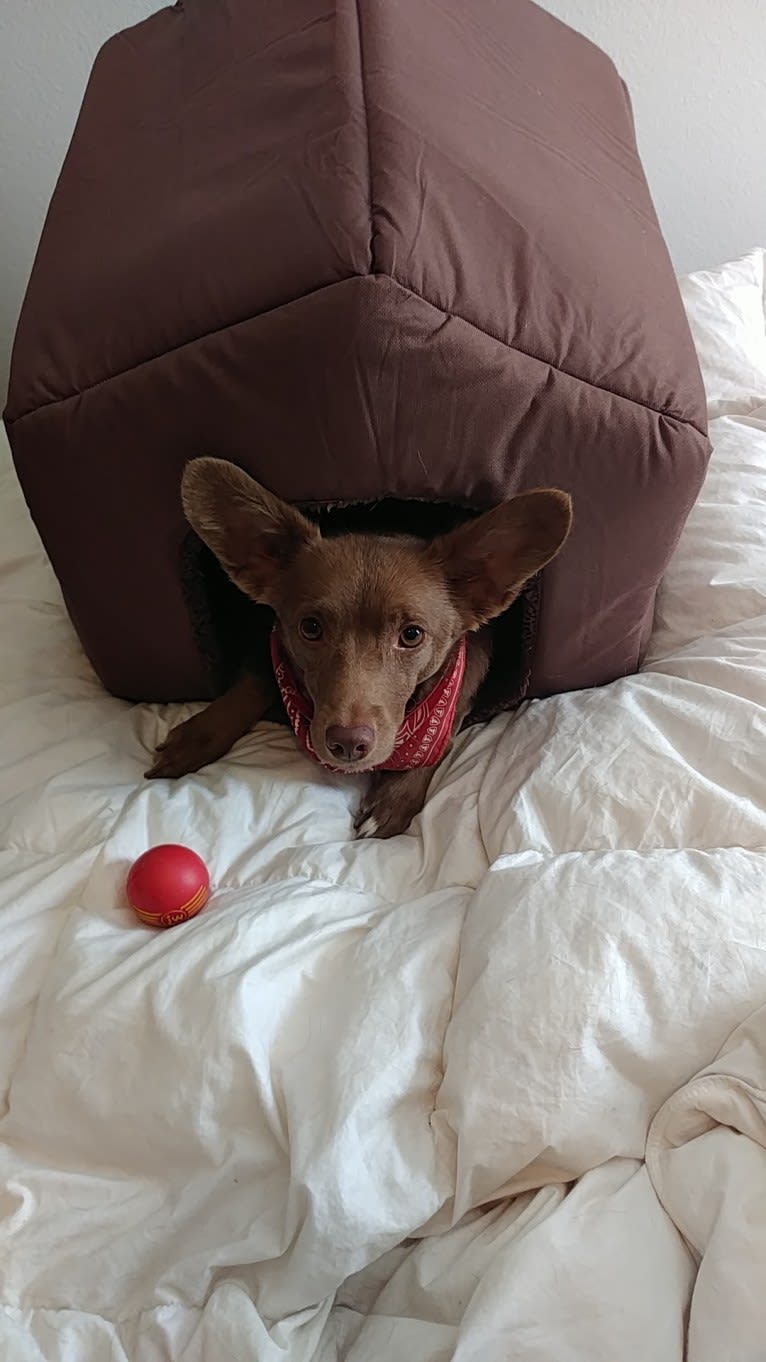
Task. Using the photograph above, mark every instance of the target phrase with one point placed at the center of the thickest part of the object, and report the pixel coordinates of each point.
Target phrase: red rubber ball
(167, 885)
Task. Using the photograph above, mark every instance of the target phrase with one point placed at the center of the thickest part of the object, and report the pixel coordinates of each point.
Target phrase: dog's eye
(310, 628)
(411, 636)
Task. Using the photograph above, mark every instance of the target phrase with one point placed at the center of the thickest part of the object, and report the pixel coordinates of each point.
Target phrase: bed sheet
(493, 1089)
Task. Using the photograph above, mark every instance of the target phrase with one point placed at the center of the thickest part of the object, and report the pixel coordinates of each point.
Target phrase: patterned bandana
(424, 733)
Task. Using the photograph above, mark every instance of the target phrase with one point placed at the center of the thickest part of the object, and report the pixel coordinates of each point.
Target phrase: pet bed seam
(368, 140)
(549, 364)
(12, 421)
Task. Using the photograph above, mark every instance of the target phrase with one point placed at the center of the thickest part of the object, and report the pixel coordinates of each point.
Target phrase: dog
(380, 642)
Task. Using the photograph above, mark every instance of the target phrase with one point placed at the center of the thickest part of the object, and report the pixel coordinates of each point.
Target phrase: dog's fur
(362, 591)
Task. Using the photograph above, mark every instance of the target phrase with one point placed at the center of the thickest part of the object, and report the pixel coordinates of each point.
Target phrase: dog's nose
(350, 744)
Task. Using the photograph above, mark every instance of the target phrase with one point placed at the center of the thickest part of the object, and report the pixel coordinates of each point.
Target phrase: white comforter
(493, 1090)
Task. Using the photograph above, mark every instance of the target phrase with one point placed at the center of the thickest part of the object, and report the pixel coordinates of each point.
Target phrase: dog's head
(367, 619)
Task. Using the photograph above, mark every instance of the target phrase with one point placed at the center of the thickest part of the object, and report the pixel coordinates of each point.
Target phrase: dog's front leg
(209, 735)
(393, 799)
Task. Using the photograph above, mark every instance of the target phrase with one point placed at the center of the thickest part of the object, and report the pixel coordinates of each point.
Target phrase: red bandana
(425, 731)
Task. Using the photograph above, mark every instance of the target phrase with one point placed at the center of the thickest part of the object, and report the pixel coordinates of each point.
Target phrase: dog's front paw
(189, 746)
(379, 820)
(392, 801)
(365, 823)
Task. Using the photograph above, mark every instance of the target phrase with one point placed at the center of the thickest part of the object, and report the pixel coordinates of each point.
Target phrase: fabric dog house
(367, 249)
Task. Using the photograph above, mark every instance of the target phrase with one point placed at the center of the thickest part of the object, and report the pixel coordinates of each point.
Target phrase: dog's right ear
(252, 533)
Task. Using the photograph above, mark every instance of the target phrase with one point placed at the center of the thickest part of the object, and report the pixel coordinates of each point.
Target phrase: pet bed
(367, 251)
(494, 1089)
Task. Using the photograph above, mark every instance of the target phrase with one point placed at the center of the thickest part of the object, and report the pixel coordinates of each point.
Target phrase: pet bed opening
(229, 628)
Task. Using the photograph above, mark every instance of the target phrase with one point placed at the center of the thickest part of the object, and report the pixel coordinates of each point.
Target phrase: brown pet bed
(383, 251)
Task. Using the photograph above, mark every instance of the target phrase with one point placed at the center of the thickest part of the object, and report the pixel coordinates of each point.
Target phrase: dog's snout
(350, 744)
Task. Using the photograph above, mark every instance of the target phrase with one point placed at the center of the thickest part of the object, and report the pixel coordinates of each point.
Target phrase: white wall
(696, 70)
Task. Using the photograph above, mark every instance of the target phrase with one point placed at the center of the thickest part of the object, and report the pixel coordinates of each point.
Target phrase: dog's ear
(252, 533)
(487, 560)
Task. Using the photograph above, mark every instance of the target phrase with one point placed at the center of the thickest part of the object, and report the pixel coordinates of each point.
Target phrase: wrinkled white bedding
(493, 1090)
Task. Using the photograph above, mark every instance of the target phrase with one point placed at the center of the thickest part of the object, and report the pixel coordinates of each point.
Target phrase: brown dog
(375, 634)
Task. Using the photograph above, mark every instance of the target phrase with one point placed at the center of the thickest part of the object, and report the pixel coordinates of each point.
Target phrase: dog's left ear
(487, 561)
